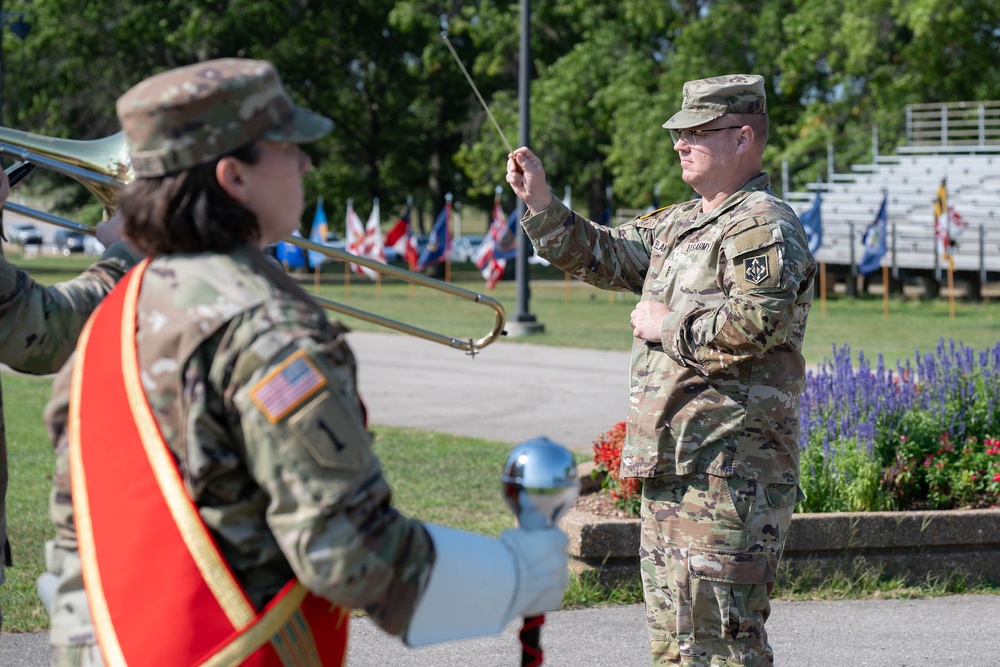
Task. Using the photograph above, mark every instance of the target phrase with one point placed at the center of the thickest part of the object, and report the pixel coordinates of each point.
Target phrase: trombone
(103, 167)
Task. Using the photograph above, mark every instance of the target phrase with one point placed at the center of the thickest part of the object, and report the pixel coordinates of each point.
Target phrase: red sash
(160, 592)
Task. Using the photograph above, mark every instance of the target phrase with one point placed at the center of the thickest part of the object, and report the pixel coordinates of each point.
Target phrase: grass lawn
(463, 492)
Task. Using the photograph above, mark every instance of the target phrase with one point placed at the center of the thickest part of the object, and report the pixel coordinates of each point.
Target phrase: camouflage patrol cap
(192, 115)
(707, 99)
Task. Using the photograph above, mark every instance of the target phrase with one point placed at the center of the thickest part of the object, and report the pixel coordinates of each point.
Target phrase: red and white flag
(400, 239)
(355, 243)
(372, 246)
(485, 257)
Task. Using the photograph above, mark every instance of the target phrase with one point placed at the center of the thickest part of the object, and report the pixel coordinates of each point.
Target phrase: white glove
(542, 569)
(479, 584)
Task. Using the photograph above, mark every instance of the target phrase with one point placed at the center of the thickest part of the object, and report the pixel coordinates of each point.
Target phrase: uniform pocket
(730, 567)
(743, 494)
(781, 496)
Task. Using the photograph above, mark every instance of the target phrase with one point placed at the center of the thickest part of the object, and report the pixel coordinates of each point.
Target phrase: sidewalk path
(509, 392)
(955, 631)
(513, 392)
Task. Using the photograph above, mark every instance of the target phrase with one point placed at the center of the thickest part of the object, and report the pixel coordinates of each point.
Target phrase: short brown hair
(188, 211)
(758, 121)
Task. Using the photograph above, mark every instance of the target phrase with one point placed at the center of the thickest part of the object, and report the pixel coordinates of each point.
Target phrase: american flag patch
(287, 386)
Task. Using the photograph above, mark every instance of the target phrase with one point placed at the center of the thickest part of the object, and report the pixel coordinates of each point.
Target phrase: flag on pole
(874, 240)
(958, 225)
(290, 254)
(440, 239)
(505, 246)
(400, 238)
(812, 222)
(942, 222)
(317, 234)
(372, 247)
(355, 243)
(485, 257)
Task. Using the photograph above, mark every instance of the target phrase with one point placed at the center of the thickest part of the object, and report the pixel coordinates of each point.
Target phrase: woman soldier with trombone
(228, 506)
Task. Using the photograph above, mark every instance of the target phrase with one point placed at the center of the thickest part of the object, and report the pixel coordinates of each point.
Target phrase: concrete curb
(912, 545)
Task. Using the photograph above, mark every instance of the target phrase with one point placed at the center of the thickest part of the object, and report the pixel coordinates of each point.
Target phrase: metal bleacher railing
(955, 142)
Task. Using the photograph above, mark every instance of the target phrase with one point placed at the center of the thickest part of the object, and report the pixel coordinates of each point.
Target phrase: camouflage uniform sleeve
(330, 506)
(767, 272)
(613, 259)
(39, 325)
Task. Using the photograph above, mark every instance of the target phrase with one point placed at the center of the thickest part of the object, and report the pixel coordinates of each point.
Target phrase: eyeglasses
(689, 135)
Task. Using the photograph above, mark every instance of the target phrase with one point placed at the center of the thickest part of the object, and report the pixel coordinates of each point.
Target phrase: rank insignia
(755, 269)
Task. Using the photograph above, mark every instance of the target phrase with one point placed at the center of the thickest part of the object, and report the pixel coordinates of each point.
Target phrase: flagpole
(885, 291)
(822, 288)
(951, 286)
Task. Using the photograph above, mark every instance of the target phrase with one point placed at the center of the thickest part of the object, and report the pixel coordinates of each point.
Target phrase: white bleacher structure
(958, 142)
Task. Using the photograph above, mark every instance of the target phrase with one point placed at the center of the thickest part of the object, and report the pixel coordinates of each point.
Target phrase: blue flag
(813, 224)
(318, 234)
(874, 240)
(506, 245)
(440, 240)
(290, 254)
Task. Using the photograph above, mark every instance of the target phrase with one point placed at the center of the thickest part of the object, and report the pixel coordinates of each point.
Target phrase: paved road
(956, 631)
(512, 392)
(509, 392)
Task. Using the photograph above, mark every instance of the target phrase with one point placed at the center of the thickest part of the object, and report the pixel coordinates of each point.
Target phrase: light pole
(524, 322)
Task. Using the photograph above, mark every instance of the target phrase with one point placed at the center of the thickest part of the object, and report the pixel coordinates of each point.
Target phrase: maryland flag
(942, 222)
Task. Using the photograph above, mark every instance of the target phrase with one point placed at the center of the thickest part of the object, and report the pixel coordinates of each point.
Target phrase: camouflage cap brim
(688, 118)
(304, 127)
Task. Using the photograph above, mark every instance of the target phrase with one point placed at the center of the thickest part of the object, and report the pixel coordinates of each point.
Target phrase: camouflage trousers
(72, 632)
(708, 554)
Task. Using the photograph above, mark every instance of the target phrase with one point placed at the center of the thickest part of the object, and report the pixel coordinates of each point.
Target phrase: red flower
(608, 457)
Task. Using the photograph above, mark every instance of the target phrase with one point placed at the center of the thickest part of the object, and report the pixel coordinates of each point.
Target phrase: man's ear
(745, 140)
(229, 174)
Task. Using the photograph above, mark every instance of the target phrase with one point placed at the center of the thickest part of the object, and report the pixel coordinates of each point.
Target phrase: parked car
(66, 242)
(25, 233)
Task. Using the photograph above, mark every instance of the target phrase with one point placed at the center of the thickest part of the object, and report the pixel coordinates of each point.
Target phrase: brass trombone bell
(103, 167)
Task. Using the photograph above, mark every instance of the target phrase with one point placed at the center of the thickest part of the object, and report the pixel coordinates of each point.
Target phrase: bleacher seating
(958, 143)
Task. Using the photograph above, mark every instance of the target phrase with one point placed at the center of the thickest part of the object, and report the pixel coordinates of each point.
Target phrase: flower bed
(884, 452)
(919, 437)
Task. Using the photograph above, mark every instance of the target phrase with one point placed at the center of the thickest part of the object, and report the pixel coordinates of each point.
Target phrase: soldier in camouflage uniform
(725, 284)
(39, 326)
(286, 489)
